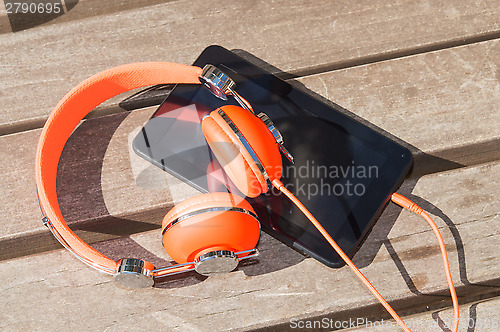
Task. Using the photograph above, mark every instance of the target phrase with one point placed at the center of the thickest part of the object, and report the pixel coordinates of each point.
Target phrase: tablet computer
(344, 172)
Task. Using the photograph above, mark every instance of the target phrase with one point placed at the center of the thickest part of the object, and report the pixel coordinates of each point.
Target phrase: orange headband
(67, 115)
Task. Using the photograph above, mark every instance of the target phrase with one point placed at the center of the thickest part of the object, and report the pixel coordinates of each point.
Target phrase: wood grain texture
(480, 316)
(444, 105)
(93, 167)
(280, 285)
(4, 20)
(38, 66)
(76, 10)
(425, 73)
(98, 170)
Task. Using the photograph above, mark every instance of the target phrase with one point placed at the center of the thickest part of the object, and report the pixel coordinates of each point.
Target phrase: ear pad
(218, 180)
(233, 155)
(191, 230)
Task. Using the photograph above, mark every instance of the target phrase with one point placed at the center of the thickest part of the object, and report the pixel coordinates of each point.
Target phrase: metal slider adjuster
(247, 146)
(221, 85)
(137, 273)
(132, 272)
(277, 135)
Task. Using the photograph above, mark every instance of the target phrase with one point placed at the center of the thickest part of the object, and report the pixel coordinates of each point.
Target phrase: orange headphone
(209, 233)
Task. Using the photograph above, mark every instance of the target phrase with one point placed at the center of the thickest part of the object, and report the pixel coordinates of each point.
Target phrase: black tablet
(344, 172)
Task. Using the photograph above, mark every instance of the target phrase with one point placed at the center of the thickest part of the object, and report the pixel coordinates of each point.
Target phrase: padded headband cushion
(232, 154)
(208, 231)
(71, 110)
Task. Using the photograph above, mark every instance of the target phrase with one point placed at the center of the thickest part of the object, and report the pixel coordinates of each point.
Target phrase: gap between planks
(423, 304)
(155, 97)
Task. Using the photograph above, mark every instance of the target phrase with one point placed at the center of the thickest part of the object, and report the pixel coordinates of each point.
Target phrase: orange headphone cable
(409, 205)
(400, 200)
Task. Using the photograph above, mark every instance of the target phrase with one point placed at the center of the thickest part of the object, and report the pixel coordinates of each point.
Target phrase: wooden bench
(426, 75)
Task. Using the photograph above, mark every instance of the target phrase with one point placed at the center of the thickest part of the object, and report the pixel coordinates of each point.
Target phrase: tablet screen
(343, 173)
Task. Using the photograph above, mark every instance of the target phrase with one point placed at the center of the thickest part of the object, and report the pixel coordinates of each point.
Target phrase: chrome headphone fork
(213, 262)
(277, 135)
(221, 85)
(131, 272)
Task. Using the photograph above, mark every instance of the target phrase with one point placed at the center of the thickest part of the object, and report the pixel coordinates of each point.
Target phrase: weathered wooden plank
(444, 105)
(69, 10)
(4, 21)
(379, 102)
(406, 268)
(39, 65)
(97, 163)
(481, 316)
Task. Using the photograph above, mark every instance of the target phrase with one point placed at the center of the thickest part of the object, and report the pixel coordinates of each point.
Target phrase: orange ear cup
(206, 231)
(234, 156)
(219, 181)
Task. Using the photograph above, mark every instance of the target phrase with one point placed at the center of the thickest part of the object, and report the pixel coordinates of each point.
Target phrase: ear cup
(219, 181)
(191, 229)
(234, 156)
